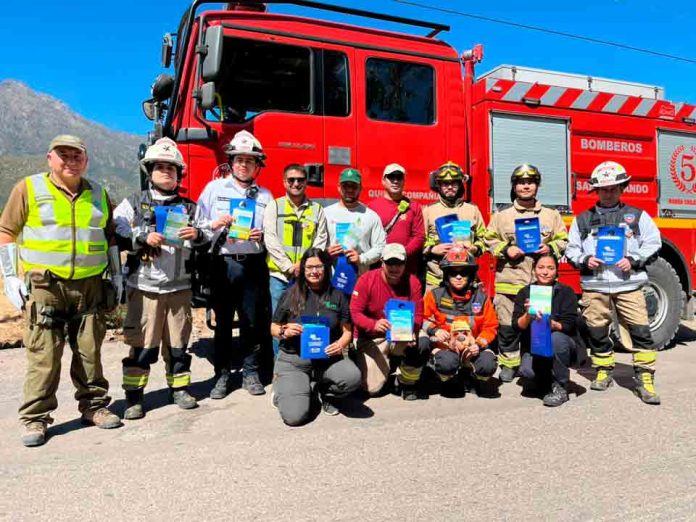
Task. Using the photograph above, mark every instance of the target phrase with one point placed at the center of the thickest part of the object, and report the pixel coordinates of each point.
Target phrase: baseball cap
(394, 251)
(393, 167)
(350, 175)
(66, 140)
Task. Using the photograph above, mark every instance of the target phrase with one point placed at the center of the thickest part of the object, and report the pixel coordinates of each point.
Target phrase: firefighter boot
(645, 388)
(183, 399)
(557, 396)
(135, 409)
(221, 388)
(507, 374)
(252, 384)
(34, 434)
(604, 379)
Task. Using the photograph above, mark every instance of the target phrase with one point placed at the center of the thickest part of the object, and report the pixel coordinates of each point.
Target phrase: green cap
(350, 175)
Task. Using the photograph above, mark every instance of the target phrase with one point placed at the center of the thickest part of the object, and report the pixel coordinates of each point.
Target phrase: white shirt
(214, 202)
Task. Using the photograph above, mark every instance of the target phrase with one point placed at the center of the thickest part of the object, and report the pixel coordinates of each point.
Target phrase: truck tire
(664, 298)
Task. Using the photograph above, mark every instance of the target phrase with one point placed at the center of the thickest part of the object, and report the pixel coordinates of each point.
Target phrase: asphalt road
(599, 457)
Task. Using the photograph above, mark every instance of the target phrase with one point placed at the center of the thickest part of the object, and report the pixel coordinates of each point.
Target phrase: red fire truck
(331, 95)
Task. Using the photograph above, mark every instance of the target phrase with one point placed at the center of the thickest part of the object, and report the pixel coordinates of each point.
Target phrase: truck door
(543, 142)
(676, 155)
(398, 118)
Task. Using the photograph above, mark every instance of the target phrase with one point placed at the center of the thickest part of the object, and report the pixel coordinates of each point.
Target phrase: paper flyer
(242, 212)
(347, 236)
(611, 242)
(401, 315)
(540, 297)
(528, 234)
(460, 231)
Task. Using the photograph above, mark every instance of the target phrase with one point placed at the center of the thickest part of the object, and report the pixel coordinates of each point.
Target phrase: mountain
(30, 120)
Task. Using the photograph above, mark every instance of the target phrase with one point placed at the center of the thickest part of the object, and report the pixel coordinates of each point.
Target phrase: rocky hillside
(28, 122)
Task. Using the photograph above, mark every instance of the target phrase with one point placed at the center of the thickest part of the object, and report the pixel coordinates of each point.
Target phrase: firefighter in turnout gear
(448, 181)
(513, 266)
(618, 285)
(292, 225)
(460, 323)
(155, 226)
(62, 226)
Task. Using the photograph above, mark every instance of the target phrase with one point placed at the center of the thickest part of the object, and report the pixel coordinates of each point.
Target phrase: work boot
(484, 388)
(409, 392)
(135, 409)
(328, 405)
(645, 388)
(557, 396)
(101, 418)
(252, 384)
(34, 434)
(507, 374)
(604, 379)
(453, 388)
(222, 383)
(183, 399)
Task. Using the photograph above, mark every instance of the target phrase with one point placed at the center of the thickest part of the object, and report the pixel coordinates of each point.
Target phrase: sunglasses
(393, 262)
(395, 177)
(296, 181)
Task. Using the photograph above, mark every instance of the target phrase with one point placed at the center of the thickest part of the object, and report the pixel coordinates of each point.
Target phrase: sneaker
(604, 379)
(183, 399)
(135, 409)
(645, 388)
(557, 396)
(507, 374)
(252, 384)
(328, 406)
(34, 434)
(101, 418)
(220, 389)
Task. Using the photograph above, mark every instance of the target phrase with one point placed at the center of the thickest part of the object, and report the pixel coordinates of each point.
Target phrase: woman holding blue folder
(335, 376)
(562, 328)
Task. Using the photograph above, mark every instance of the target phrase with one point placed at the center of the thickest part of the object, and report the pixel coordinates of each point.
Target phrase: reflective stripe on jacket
(62, 236)
(296, 233)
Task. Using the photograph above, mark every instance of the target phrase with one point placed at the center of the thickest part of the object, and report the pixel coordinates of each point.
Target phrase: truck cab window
(336, 89)
(400, 92)
(260, 76)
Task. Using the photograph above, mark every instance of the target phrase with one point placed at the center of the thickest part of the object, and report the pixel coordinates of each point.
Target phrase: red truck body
(330, 95)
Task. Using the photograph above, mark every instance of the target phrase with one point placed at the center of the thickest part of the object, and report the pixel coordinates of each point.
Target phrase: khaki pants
(632, 312)
(60, 310)
(155, 321)
(508, 339)
(374, 358)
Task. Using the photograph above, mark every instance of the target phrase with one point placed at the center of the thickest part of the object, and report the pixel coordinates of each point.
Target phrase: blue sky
(100, 57)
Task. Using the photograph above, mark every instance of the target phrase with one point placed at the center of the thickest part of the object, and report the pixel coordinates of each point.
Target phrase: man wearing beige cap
(60, 225)
(376, 336)
(402, 218)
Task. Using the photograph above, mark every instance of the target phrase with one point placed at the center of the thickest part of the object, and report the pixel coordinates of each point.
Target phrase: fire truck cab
(330, 95)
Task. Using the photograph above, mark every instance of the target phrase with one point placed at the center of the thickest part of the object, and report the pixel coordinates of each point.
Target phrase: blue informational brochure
(460, 231)
(347, 235)
(315, 337)
(344, 276)
(528, 234)
(169, 220)
(242, 212)
(443, 224)
(611, 242)
(401, 314)
(540, 334)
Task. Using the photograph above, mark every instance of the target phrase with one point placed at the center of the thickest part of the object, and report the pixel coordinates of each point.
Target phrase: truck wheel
(664, 298)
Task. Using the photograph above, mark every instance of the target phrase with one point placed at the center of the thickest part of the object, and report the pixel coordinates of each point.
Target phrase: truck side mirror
(167, 50)
(212, 59)
(205, 96)
(149, 109)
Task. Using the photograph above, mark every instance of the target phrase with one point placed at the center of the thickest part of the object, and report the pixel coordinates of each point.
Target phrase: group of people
(280, 265)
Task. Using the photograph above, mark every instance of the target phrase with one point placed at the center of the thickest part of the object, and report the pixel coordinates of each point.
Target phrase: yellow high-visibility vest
(62, 236)
(295, 232)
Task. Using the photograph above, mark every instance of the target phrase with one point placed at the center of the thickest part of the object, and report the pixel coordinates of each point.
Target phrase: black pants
(240, 284)
(565, 354)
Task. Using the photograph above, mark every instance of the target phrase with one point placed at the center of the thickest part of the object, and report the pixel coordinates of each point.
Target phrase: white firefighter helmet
(608, 174)
(244, 142)
(163, 150)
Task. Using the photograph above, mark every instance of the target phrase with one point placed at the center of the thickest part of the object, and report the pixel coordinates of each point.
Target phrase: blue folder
(528, 234)
(541, 344)
(344, 276)
(315, 337)
(611, 241)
